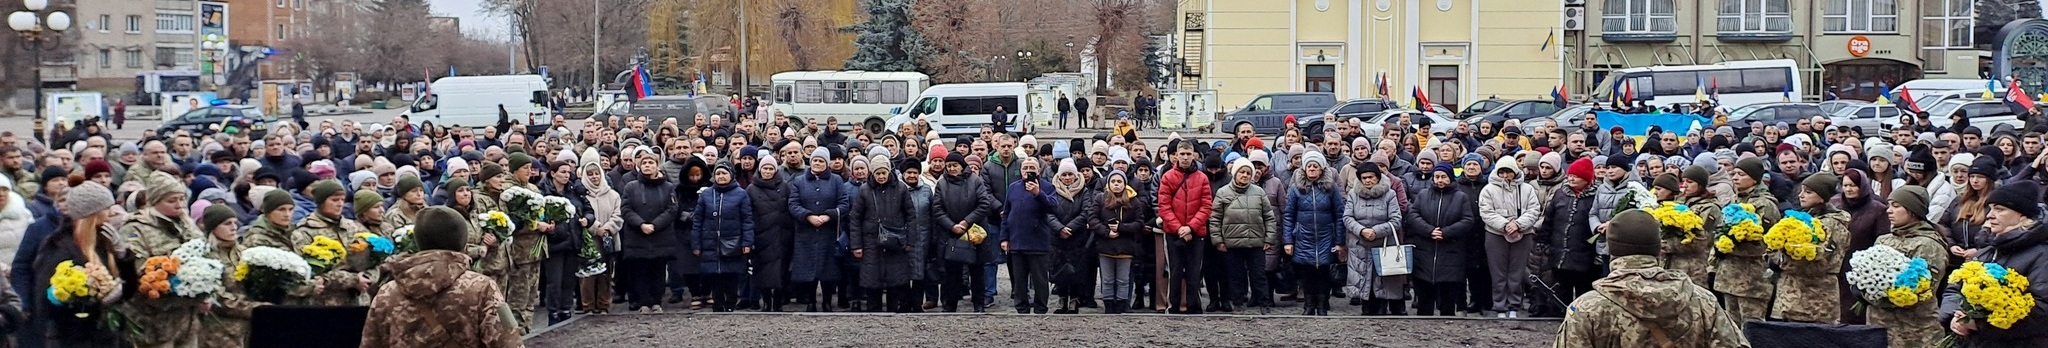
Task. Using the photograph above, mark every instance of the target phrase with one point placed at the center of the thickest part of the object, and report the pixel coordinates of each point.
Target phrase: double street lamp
(37, 29)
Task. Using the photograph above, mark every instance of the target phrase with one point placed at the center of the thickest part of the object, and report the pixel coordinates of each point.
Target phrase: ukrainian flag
(1700, 92)
(1884, 93)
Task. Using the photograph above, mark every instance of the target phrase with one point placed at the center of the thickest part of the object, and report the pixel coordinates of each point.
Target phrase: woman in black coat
(649, 239)
(1074, 251)
(79, 325)
(1439, 219)
(773, 230)
(1119, 226)
(692, 178)
(558, 272)
(963, 201)
(883, 239)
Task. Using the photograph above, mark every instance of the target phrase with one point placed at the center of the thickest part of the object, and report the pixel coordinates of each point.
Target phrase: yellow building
(1463, 50)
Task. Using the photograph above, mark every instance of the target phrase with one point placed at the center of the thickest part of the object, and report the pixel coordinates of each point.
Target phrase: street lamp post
(1022, 57)
(30, 25)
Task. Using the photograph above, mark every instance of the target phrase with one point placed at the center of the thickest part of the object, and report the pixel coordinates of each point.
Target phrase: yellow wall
(1249, 50)
(1512, 62)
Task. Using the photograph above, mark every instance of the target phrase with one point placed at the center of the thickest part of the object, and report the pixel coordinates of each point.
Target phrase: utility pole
(512, 58)
(594, 9)
(742, 78)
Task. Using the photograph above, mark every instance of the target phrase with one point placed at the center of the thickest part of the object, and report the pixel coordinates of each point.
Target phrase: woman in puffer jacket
(1509, 208)
(1119, 227)
(1438, 221)
(1314, 229)
(1372, 219)
(723, 236)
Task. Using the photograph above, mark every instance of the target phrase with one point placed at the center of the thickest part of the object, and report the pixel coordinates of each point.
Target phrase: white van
(1927, 92)
(473, 101)
(964, 108)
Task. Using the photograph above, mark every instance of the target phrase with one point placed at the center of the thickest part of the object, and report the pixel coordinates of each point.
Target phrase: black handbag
(728, 247)
(891, 238)
(961, 251)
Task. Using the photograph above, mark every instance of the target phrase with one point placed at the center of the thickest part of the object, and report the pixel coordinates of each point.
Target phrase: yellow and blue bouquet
(1913, 285)
(1884, 275)
(1678, 221)
(374, 246)
(1743, 225)
(496, 223)
(68, 284)
(1992, 293)
(323, 254)
(1797, 236)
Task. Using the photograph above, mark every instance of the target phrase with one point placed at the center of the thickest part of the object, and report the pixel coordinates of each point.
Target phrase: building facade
(268, 23)
(1458, 51)
(115, 38)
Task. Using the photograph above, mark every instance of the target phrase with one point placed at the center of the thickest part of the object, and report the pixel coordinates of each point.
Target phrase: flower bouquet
(78, 287)
(1797, 236)
(269, 272)
(1992, 293)
(324, 254)
(496, 223)
(1638, 197)
(373, 247)
(1884, 275)
(557, 209)
(524, 204)
(1742, 226)
(198, 276)
(156, 276)
(1678, 221)
(593, 260)
(402, 240)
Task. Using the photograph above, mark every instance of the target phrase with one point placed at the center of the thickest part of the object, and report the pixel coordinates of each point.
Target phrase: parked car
(1874, 118)
(1517, 110)
(1986, 115)
(1362, 108)
(1481, 107)
(1267, 112)
(1771, 113)
(1566, 118)
(1829, 107)
(1438, 123)
(661, 107)
(211, 119)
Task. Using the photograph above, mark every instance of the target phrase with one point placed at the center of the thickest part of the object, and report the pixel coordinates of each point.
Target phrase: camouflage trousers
(163, 326)
(523, 292)
(1746, 308)
(1908, 327)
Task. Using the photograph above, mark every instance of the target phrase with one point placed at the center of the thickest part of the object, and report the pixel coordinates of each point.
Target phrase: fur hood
(1327, 182)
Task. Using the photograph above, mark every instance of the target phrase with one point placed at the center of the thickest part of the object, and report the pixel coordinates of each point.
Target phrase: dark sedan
(211, 119)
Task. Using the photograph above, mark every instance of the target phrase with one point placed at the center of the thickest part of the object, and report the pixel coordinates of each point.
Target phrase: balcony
(1755, 27)
(1639, 28)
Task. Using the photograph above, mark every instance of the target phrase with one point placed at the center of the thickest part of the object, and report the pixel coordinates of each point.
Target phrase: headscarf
(1067, 166)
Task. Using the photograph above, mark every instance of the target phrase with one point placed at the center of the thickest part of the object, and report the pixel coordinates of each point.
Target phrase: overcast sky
(475, 23)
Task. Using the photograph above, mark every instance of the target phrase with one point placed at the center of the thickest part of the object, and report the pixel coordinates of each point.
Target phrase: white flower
(199, 277)
(278, 259)
(196, 248)
(1642, 196)
(1872, 270)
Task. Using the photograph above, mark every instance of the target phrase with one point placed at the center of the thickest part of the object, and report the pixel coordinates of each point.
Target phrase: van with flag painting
(1732, 85)
(474, 101)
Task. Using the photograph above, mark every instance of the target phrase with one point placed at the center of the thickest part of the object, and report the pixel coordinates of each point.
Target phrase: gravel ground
(967, 330)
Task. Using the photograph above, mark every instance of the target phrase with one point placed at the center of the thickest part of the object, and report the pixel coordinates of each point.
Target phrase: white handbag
(1394, 260)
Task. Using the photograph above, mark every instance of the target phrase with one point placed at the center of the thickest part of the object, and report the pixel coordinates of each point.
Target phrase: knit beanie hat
(490, 170)
(1239, 164)
(1913, 198)
(1619, 161)
(456, 164)
(1986, 166)
(86, 199)
(1823, 183)
(1696, 174)
(276, 199)
(1446, 168)
(1314, 157)
(1632, 232)
(1555, 159)
(1666, 181)
(2023, 196)
(1752, 166)
(214, 216)
(160, 185)
(440, 228)
(1962, 159)
(517, 160)
(366, 200)
(406, 184)
(878, 163)
(821, 153)
(1582, 168)
(323, 189)
(454, 184)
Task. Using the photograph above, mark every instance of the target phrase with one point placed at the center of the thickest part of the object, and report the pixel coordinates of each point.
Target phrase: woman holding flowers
(227, 325)
(162, 319)
(1692, 255)
(1809, 285)
(336, 286)
(73, 283)
(2017, 248)
(1913, 235)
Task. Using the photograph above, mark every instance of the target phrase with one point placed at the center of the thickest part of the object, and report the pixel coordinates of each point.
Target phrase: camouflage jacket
(262, 233)
(338, 286)
(1641, 305)
(1695, 257)
(228, 324)
(397, 217)
(495, 260)
(167, 318)
(25, 182)
(1811, 291)
(1742, 273)
(1909, 326)
(435, 302)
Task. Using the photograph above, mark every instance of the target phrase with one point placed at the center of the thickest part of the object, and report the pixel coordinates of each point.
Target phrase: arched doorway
(1865, 78)
(2022, 53)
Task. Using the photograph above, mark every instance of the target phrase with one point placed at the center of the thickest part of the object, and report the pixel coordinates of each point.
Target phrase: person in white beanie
(1949, 184)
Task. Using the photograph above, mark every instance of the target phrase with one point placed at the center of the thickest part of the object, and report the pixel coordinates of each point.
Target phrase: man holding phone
(1027, 240)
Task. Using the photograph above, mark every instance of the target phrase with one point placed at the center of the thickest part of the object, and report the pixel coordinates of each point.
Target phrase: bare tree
(963, 40)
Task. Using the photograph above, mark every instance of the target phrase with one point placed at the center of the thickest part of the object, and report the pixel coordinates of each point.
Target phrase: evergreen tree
(886, 41)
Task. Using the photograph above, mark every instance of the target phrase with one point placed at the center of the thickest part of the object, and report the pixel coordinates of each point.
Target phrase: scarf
(1069, 191)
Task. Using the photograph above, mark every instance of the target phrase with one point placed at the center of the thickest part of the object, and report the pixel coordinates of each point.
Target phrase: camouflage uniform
(495, 260)
(1740, 275)
(227, 326)
(1811, 291)
(26, 182)
(338, 285)
(1694, 258)
(529, 248)
(169, 320)
(397, 217)
(435, 303)
(1913, 326)
(261, 233)
(1641, 305)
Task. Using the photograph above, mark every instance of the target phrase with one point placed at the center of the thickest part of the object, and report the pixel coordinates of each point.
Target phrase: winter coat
(1810, 291)
(1024, 225)
(1440, 261)
(1607, 197)
(814, 194)
(1741, 272)
(1567, 224)
(436, 286)
(1314, 220)
(568, 235)
(921, 199)
(1642, 305)
(1505, 201)
(1129, 220)
(1909, 326)
(1375, 208)
(2024, 251)
(774, 230)
(1243, 219)
(965, 199)
(1184, 201)
(67, 328)
(885, 209)
(649, 201)
(725, 218)
(1694, 257)
(604, 203)
(1073, 213)
(1944, 194)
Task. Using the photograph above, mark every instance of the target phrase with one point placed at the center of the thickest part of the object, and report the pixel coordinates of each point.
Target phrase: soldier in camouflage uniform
(156, 230)
(1740, 275)
(338, 286)
(435, 302)
(1912, 235)
(370, 211)
(410, 199)
(154, 156)
(273, 227)
(1640, 304)
(529, 246)
(227, 325)
(1811, 291)
(495, 260)
(1693, 258)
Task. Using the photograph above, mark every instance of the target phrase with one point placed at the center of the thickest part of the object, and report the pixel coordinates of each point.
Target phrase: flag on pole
(1560, 96)
(1549, 40)
(1699, 92)
(701, 87)
(1385, 91)
(1421, 100)
(451, 70)
(1714, 87)
(2016, 98)
(1988, 87)
(1906, 98)
(1884, 93)
(641, 86)
(1628, 94)
(1787, 94)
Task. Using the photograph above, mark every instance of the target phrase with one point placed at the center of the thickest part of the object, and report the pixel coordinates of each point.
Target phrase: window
(1322, 78)
(1638, 16)
(280, 3)
(106, 23)
(809, 92)
(134, 24)
(298, 3)
(106, 58)
(895, 92)
(838, 92)
(134, 58)
(1443, 85)
(782, 93)
(174, 23)
(1862, 16)
(1947, 25)
(280, 32)
(977, 105)
(1755, 16)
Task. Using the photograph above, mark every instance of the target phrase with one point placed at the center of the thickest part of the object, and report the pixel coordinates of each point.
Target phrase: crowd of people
(718, 214)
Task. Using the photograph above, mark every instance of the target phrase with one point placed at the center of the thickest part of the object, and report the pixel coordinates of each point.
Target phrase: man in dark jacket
(1066, 107)
(1784, 183)
(1000, 120)
(1027, 240)
(1081, 110)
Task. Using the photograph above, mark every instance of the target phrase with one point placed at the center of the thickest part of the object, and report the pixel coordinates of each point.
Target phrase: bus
(853, 97)
(150, 85)
(1739, 83)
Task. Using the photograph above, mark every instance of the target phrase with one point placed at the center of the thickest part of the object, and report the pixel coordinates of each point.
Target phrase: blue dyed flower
(382, 245)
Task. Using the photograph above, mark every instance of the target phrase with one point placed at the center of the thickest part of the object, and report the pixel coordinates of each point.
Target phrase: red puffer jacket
(1184, 200)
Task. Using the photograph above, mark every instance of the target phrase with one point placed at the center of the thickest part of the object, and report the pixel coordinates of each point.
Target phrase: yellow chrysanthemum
(1724, 244)
(2000, 301)
(68, 282)
(241, 271)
